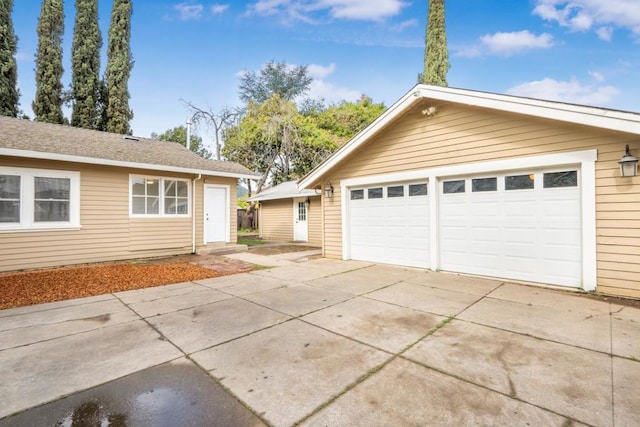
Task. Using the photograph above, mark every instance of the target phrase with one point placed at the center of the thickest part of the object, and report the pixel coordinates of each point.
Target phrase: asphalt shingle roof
(16, 134)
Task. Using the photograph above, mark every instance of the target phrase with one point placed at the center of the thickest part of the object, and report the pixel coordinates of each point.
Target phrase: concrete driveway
(323, 343)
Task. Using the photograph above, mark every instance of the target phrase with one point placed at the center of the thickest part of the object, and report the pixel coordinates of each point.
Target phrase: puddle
(92, 414)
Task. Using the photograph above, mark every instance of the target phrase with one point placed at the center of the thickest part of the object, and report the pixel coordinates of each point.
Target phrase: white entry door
(216, 211)
(300, 225)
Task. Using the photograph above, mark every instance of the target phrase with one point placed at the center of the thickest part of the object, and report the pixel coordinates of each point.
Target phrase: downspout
(193, 213)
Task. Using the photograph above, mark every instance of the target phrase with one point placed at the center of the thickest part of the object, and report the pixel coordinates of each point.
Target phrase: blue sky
(579, 51)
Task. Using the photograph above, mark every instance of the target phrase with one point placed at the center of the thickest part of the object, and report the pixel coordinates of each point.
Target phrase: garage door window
(519, 182)
(374, 193)
(484, 184)
(417, 190)
(395, 191)
(561, 179)
(357, 194)
(451, 187)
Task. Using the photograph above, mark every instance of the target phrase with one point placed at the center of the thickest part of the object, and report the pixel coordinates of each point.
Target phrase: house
(71, 195)
(287, 213)
(491, 185)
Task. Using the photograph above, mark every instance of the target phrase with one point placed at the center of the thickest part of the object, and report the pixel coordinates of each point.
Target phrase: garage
(390, 224)
(524, 225)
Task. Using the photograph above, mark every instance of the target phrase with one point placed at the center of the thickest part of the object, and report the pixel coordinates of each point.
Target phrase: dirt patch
(41, 286)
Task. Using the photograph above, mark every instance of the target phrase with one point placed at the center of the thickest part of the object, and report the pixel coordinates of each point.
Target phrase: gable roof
(24, 138)
(286, 190)
(622, 121)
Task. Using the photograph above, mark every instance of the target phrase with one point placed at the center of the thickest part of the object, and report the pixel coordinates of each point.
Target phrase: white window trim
(161, 213)
(585, 160)
(27, 200)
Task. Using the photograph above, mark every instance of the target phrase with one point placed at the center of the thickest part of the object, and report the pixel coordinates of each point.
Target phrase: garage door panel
(532, 234)
(392, 230)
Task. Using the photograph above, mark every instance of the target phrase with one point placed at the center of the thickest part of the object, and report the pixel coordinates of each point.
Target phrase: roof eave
(118, 163)
(621, 121)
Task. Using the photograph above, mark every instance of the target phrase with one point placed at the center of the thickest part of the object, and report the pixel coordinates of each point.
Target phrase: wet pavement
(177, 393)
(319, 342)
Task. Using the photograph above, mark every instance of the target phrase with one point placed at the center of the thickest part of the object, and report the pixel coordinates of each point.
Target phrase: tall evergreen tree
(47, 104)
(85, 63)
(9, 93)
(436, 56)
(119, 65)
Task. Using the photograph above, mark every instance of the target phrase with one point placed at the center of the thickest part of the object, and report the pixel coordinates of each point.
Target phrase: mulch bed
(40, 286)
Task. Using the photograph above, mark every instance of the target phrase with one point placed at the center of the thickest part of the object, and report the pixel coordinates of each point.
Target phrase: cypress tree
(85, 63)
(47, 104)
(9, 93)
(436, 56)
(119, 65)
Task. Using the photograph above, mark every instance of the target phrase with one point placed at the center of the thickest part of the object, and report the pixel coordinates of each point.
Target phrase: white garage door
(523, 226)
(390, 224)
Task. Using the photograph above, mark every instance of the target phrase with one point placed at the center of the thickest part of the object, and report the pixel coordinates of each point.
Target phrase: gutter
(193, 213)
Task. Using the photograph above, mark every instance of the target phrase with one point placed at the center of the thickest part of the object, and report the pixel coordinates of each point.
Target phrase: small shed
(288, 214)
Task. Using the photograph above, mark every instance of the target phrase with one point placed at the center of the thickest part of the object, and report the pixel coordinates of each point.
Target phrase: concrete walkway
(323, 343)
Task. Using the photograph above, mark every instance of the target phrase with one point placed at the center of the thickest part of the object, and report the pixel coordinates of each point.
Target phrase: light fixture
(308, 201)
(628, 164)
(328, 190)
(429, 111)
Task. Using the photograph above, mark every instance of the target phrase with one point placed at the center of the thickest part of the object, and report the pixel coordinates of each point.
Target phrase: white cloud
(320, 89)
(605, 33)
(514, 42)
(189, 11)
(584, 15)
(219, 8)
(405, 24)
(320, 71)
(302, 10)
(595, 75)
(23, 56)
(572, 91)
(507, 44)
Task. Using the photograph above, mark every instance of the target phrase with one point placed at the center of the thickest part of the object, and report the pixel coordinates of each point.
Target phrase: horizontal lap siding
(315, 221)
(277, 220)
(463, 134)
(107, 232)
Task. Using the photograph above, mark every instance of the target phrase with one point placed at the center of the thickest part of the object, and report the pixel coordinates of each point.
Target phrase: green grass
(251, 241)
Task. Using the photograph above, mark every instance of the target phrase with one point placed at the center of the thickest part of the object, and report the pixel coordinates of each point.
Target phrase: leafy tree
(85, 61)
(179, 134)
(436, 56)
(346, 119)
(9, 93)
(47, 104)
(278, 142)
(275, 78)
(119, 64)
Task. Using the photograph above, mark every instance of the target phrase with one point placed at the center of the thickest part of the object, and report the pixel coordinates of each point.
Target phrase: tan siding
(107, 232)
(315, 221)
(277, 220)
(475, 135)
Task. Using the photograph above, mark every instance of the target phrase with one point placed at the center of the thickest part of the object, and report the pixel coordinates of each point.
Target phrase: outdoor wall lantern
(628, 164)
(328, 191)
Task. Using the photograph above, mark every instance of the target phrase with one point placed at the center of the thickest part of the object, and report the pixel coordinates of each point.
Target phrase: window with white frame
(39, 199)
(155, 196)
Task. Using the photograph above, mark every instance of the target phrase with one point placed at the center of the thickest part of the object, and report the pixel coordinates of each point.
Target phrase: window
(395, 191)
(374, 193)
(51, 199)
(519, 182)
(152, 196)
(39, 199)
(451, 187)
(560, 179)
(484, 184)
(302, 211)
(9, 199)
(357, 194)
(417, 190)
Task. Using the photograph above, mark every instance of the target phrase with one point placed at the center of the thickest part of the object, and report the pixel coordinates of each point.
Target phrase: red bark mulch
(41, 286)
